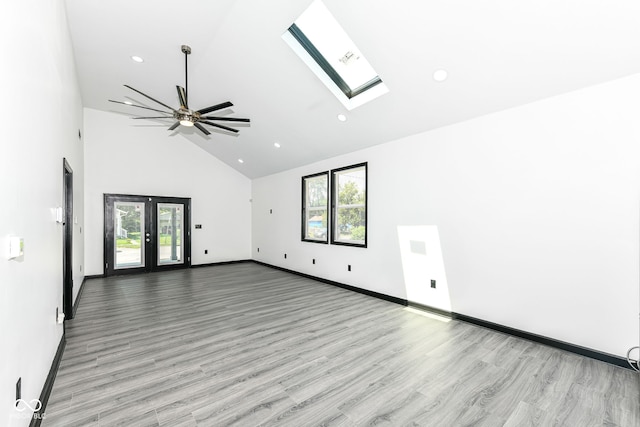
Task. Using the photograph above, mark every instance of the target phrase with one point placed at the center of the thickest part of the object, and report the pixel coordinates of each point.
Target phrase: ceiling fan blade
(182, 96)
(202, 128)
(175, 125)
(157, 117)
(139, 106)
(215, 107)
(226, 119)
(145, 95)
(219, 126)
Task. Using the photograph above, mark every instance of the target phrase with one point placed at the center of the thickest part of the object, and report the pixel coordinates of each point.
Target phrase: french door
(146, 233)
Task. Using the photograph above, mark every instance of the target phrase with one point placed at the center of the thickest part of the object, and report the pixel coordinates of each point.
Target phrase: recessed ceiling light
(342, 117)
(276, 144)
(137, 59)
(240, 161)
(440, 75)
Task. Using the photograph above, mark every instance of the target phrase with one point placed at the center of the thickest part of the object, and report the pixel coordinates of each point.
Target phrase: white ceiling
(498, 53)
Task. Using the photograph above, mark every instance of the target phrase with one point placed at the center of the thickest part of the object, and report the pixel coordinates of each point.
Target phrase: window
(348, 214)
(349, 205)
(320, 41)
(315, 207)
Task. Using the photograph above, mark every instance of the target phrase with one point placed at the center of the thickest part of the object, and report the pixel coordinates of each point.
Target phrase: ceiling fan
(184, 115)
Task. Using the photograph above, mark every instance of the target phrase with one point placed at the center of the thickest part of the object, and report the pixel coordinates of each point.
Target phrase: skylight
(326, 48)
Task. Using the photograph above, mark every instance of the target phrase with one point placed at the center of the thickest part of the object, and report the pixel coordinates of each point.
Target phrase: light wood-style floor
(248, 345)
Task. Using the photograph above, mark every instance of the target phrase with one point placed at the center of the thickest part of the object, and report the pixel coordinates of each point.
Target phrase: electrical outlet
(18, 390)
(433, 283)
(349, 267)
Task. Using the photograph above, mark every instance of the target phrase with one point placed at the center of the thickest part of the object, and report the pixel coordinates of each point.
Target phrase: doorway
(146, 233)
(67, 241)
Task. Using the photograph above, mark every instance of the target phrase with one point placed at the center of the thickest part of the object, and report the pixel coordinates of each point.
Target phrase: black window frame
(334, 214)
(303, 231)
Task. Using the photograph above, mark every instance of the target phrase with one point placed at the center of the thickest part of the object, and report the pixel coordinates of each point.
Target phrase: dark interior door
(146, 233)
(67, 241)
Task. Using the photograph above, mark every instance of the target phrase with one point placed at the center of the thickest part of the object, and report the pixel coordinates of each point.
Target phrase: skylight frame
(303, 46)
(333, 74)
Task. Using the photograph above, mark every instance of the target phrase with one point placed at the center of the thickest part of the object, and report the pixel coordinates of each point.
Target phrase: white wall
(535, 210)
(42, 114)
(123, 156)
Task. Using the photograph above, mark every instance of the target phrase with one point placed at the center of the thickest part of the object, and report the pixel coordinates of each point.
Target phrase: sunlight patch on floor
(427, 314)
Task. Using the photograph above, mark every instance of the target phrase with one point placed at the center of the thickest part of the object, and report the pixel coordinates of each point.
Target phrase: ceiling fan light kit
(184, 115)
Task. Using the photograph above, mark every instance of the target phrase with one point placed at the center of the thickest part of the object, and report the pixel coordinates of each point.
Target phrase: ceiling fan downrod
(187, 51)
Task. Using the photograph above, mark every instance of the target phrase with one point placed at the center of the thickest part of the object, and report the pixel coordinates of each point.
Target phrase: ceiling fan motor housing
(186, 114)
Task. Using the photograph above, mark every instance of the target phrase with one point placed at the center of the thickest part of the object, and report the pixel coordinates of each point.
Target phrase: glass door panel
(129, 234)
(170, 233)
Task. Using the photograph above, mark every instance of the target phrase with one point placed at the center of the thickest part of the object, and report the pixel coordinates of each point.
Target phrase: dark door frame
(151, 256)
(67, 241)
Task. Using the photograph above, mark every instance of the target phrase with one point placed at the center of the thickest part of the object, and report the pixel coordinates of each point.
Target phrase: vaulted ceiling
(498, 54)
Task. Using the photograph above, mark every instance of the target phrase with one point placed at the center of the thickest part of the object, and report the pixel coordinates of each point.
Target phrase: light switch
(59, 215)
(16, 247)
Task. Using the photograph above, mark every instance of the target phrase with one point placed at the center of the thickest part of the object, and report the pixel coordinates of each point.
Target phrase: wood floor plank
(526, 415)
(244, 410)
(248, 345)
